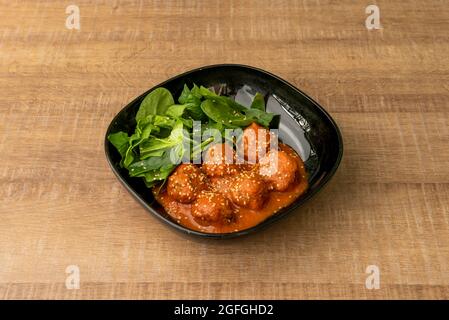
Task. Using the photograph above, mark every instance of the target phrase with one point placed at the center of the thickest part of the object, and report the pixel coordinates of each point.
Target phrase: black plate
(304, 125)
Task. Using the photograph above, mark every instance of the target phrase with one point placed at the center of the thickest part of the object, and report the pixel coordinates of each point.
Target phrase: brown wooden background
(388, 205)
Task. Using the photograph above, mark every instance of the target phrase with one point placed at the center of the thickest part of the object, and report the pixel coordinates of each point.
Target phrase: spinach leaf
(261, 117)
(120, 141)
(156, 102)
(232, 114)
(156, 153)
(190, 96)
(146, 126)
(195, 112)
(216, 111)
(154, 176)
(176, 110)
(192, 101)
(177, 136)
(141, 134)
(212, 125)
(224, 114)
(163, 122)
(197, 149)
(206, 93)
(130, 155)
(196, 91)
(149, 164)
(258, 102)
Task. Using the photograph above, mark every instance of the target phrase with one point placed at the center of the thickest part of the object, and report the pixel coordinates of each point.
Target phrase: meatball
(184, 184)
(248, 190)
(211, 207)
(255, 142)
(220, 160)
(278, 169)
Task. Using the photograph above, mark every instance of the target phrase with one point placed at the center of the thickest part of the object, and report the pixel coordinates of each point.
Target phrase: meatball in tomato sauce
(185, 182)
(248, 190)
(220, 160)
(279, 169)
(255, 142)
(212, 207)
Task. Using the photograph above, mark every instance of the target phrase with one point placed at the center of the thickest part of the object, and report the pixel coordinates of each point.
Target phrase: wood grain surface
(388, 204)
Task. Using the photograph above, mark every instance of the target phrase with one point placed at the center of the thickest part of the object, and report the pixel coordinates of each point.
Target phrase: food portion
(186, 182)
(212, 208)
(237, 201)
(214, 165)
(220, 160)
(255, 142)
(279, 169)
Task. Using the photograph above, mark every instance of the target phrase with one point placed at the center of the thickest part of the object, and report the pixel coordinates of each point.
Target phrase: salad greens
(163, 135)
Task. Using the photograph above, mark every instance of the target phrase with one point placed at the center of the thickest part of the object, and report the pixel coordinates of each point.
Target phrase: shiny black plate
(304, 125)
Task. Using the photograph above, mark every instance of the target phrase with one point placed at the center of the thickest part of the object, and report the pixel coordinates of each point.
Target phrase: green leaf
(261, 117)
(196, 91)
(196, 150)
(149, 164)
(258, 102)
(190, 96)
(141, 135)
(163, 122)
(176, 137)
(176, 110)
(206, 93)
(129, 158)
(192, 100)
(212, 125)
(222, 113)
(120, 141)
(156, 102)
(186, 95)
(130, 155)
(188, 123)
(156, 153)
(195, 112)
(147, 130)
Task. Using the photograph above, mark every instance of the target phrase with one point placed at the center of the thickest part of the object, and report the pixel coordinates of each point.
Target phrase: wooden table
(388, 204)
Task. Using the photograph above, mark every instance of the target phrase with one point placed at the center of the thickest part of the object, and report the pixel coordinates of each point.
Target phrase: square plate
(304, 125)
